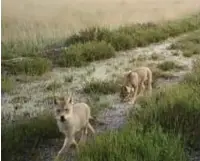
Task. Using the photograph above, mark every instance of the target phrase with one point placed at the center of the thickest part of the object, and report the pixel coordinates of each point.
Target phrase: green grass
(169, 65)
(81, 54)
(101, 87)
(25, 65)
(134, 145)
(15, 48)
(18, 137)
(7, 84)
(189, 45)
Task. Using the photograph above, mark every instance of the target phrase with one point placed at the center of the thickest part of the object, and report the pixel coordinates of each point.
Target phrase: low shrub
(169, 65)
(25, 65)
(89, 34)
(101, 87)
(81, 54)
(120, 41)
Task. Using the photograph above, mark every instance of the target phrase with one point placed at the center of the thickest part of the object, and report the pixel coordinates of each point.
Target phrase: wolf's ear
(70, 100)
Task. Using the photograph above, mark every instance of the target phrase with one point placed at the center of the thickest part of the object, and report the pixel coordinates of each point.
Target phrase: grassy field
(40, 37)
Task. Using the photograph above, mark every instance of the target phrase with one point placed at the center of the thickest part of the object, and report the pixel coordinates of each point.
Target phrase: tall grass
(136, 35)
(134, 144)
(19, 136)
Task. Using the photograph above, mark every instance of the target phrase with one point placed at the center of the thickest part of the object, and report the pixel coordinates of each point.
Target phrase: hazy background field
(25, 19)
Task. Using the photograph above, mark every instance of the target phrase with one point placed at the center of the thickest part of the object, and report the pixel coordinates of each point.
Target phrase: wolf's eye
(58, 110)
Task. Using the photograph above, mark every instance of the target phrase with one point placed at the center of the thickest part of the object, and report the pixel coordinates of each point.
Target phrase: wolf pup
(134, 83)
(72, 118)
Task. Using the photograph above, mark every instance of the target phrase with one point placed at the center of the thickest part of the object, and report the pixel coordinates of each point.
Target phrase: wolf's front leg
(134, 95)
(75, 143)
(83, 137)
(65, 144)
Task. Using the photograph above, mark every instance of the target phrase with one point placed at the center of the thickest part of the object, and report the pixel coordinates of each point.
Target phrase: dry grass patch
(189, 45)
(156, 56)
(20, 99)
(53, 86)
(68, 79)
(101, 87)
(169, 65)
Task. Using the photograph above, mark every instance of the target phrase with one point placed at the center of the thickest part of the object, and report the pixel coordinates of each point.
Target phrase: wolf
(72, 118)
(134, 83)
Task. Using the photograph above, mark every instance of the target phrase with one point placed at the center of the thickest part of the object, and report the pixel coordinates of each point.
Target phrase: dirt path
(33, 97)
